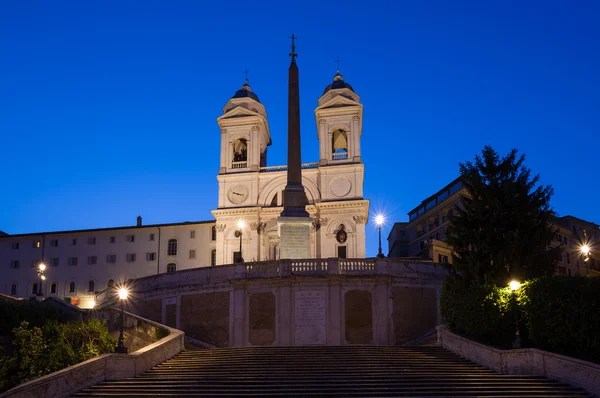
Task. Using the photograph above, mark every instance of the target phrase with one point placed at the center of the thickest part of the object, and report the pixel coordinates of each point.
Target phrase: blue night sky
(108, 108)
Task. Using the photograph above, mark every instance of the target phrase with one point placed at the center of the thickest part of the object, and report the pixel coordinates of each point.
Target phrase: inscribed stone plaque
(294, 236)
(358, 313)
(309, 317)
(261, 323)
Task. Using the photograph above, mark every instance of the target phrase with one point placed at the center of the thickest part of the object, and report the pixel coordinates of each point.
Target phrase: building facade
(82, 262)
(424, 234)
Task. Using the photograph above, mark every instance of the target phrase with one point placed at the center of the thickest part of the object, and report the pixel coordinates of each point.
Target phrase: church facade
(250, 200)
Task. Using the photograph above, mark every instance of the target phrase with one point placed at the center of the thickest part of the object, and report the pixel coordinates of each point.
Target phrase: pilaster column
(356, 138)
(324, 158)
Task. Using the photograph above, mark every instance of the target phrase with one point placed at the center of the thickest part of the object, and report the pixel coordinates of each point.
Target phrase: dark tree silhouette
(504, 228)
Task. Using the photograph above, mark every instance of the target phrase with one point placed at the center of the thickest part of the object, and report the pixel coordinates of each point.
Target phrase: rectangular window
(568, 258)
(53, 288)
(111, 239)
(92, 260)
(74, 242)
(54, 242)
(37, 244)
(130, 238)
(213, 233)
(54, 262)
(72, 261)
(341, 251)
(442, 259)
(15, 245)
(91, 241)
(213, 257)
(130, 257)
(192, 253)
(150, 256)
(14, 264)
(192, 234)
(111, 258)
(151, 237)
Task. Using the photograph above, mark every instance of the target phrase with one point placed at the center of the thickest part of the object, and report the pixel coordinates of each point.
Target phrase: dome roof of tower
(338, 82)
(246, 92)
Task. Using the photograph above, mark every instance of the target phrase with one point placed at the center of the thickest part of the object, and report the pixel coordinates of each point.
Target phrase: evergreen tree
(504, 228)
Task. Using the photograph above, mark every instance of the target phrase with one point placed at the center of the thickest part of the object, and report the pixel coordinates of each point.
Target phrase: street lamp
(585, 251)
(379, 221)
(238, 234)
(40, 271)
(123, 293)
(514, 286)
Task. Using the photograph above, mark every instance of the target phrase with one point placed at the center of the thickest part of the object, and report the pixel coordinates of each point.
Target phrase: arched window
(172, 247)
(72, 287)
(34, 288)
(240, 150)
(110, 284)
(13, 290)
(213, 233)
(90, 286)
(274, 200)
(171, 267)
(339, 141)
(53, 288)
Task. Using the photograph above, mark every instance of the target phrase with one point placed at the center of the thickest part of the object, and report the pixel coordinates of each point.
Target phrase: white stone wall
(29, 255)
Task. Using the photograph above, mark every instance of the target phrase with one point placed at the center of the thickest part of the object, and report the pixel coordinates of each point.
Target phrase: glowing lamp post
(514, 286)
(123, 293)
(40, 271)
(238, 234)
(379, 221)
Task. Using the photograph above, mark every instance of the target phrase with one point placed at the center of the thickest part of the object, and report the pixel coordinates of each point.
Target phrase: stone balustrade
(411, 268)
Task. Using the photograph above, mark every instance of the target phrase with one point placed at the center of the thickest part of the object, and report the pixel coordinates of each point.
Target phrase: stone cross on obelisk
(294, 222)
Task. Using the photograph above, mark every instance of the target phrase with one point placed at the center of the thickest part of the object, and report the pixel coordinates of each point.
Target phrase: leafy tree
(40, 351)
(503, 229)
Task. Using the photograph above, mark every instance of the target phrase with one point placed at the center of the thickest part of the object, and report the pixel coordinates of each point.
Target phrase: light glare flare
(585, 249)
(42, 267)
(241, 224)
(123, 293)
(514, 285)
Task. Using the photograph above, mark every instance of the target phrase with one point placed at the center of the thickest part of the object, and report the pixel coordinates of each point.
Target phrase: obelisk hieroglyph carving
(294, 222)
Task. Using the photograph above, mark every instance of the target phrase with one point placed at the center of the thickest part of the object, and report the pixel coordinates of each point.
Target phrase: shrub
(39, 351)
(563, 315)
(483, 313)
(557, 313)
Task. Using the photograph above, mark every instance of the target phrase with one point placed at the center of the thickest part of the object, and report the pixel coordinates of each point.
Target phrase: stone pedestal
(294, 236)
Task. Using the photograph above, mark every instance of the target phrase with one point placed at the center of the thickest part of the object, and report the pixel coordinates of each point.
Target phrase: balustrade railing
(305, 166)
(271, 269)
(340, 156)
(357, 266)
(309, 266)
(239, 165)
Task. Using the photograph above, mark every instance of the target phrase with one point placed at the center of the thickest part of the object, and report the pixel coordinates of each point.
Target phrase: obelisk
(294, 222)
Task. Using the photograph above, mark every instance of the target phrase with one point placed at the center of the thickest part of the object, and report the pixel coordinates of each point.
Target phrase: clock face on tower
(237, 194)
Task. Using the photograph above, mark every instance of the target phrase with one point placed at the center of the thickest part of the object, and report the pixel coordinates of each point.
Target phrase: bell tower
(339, 123)
(245, 133)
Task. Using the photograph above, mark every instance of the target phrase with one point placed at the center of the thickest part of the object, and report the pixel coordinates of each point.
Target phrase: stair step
(345, 371)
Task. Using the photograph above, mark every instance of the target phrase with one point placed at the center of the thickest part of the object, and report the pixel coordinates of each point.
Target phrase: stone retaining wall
(525, 361)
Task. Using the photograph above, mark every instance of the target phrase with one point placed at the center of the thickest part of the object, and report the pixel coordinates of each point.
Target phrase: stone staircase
(343, 371)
